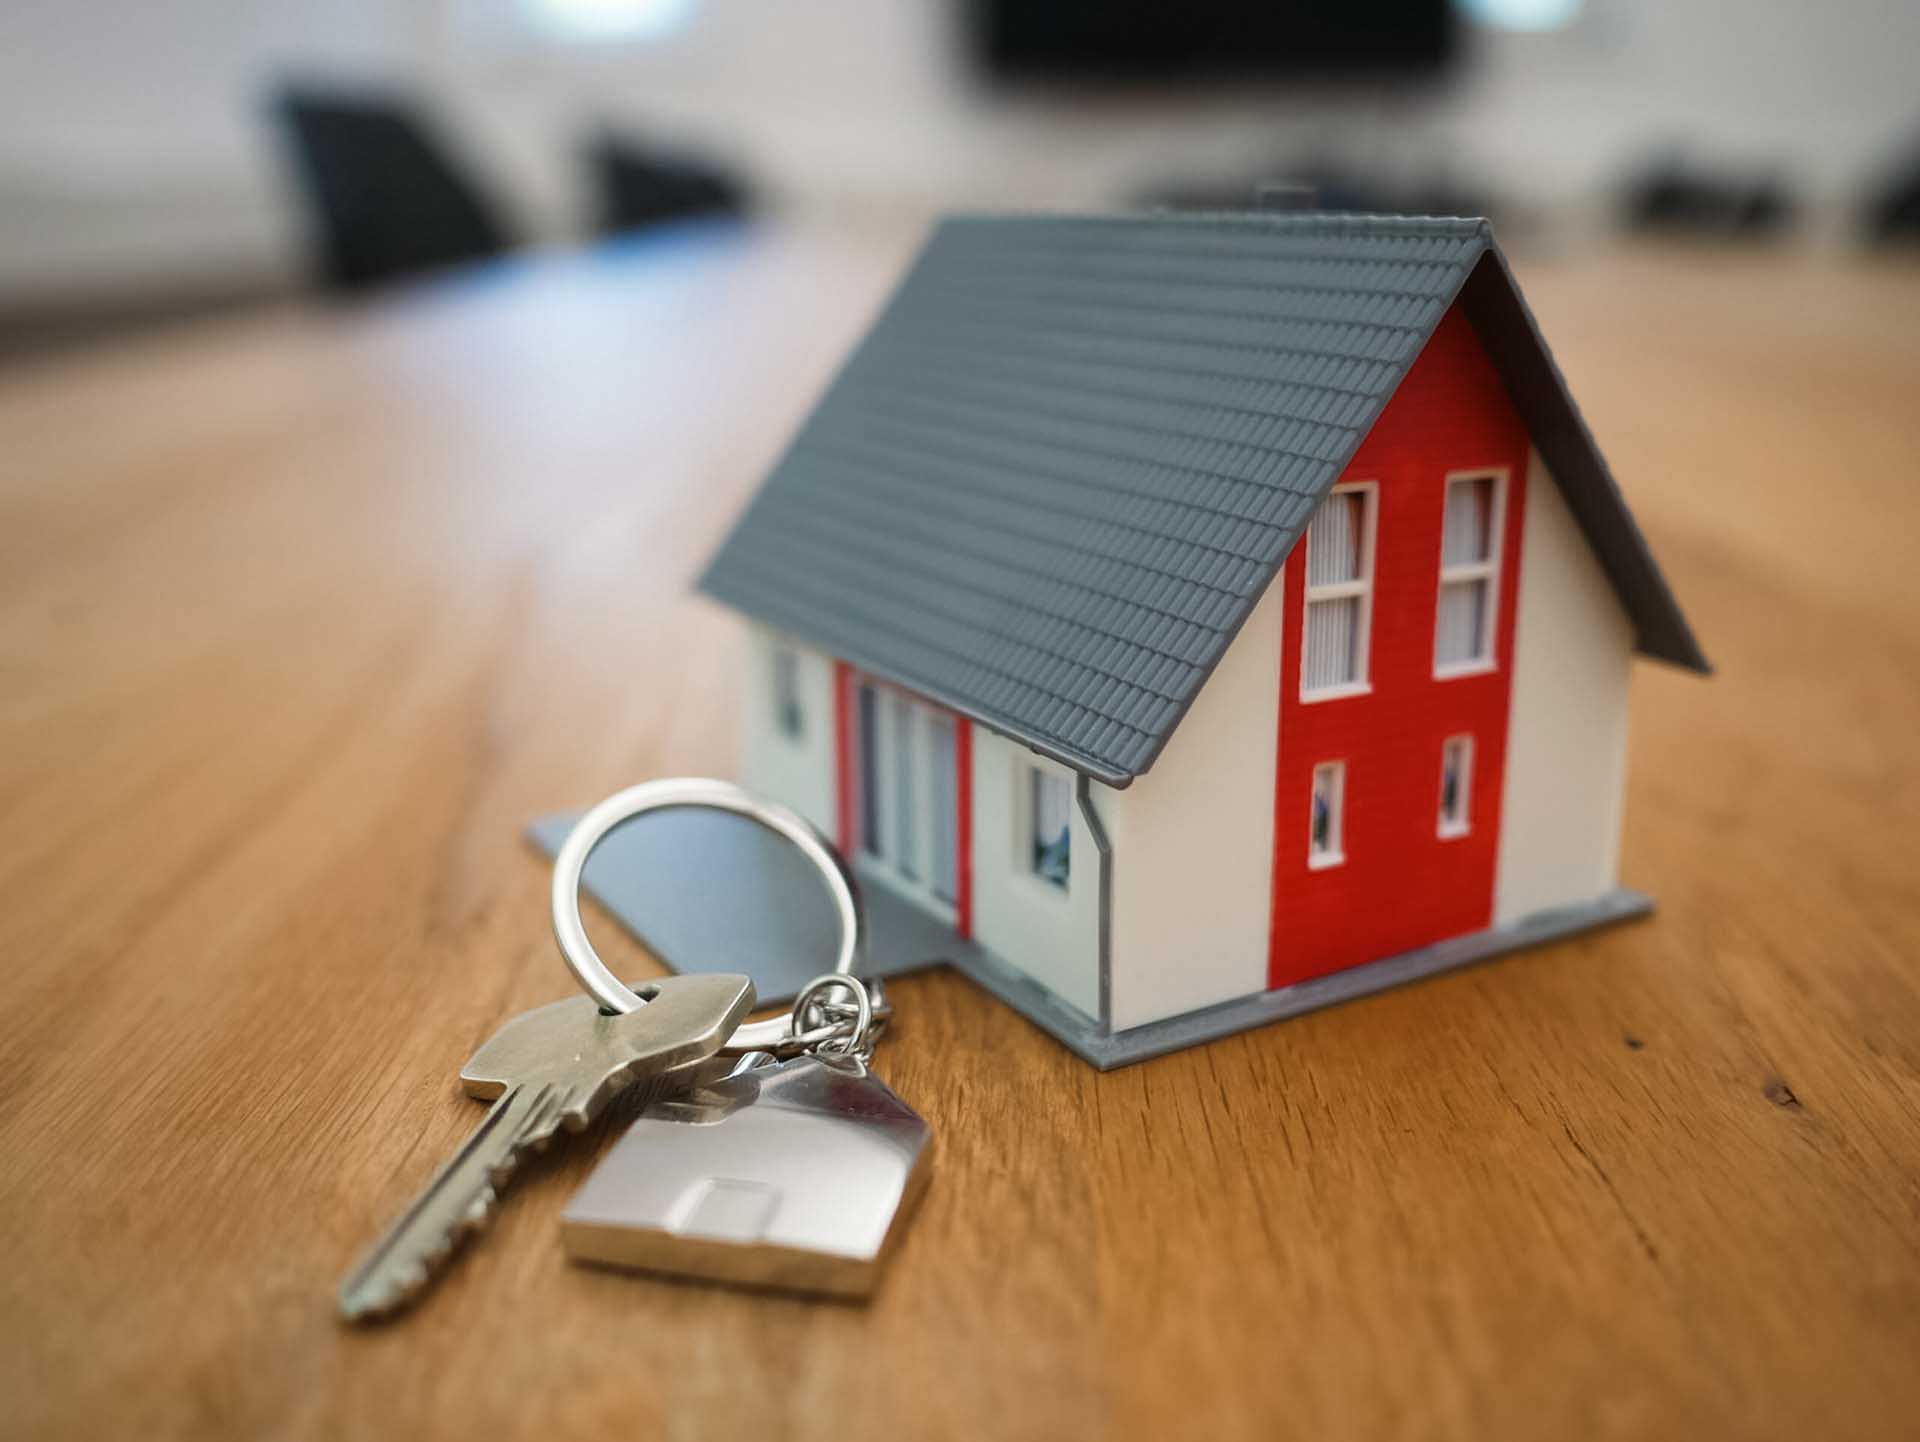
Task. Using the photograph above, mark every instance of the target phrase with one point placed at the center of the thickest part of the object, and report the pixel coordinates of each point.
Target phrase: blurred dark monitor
(1150, 40)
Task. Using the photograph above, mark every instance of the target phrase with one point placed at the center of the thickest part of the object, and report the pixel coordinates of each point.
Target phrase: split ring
(613, 994)
(849, 1042)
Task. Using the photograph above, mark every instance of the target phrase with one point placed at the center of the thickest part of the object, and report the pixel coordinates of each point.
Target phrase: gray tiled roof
(1058, 473)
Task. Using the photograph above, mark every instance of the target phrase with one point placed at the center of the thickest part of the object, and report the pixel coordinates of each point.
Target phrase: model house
(1187, 620)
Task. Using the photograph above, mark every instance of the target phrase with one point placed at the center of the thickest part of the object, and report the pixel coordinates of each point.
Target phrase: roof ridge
(1332, 222)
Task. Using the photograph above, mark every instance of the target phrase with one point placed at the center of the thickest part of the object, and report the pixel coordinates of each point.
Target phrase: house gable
(1054, 480)
(1492, 300)
(1401, 879)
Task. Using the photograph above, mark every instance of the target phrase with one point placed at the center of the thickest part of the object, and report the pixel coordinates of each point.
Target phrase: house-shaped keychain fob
(795, 1175)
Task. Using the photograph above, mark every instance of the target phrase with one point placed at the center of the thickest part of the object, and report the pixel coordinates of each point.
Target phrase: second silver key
(555, 1066)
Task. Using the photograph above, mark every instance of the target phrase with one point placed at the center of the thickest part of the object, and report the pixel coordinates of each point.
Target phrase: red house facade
(1403, 865)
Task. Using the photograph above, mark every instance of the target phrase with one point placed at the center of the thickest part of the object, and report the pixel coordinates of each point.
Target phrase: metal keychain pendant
(795, 1170)
(795, 1175)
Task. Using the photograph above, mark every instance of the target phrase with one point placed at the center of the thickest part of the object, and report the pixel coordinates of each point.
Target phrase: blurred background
(193, 155)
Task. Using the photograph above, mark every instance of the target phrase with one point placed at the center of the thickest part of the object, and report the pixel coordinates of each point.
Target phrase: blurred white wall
(134, 150)
(132, 145)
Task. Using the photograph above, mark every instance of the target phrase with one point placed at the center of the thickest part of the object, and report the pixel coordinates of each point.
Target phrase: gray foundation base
(1109, 1049)
(706, 895)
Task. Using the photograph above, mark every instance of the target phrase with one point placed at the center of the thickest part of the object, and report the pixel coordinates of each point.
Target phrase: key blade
(457, 1201)
(687, 1019)
(552, 1067)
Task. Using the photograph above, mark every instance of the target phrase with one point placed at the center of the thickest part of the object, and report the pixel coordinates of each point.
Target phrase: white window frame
(1452, 827)
(1336, 852)
(909, 829)
(902, 752)
(1336, 590)
(1487, 570)
(944, 781)
(1025, 779)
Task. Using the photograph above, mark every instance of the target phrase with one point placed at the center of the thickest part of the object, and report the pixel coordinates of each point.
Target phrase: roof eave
(1074, 760)
(1500, 316)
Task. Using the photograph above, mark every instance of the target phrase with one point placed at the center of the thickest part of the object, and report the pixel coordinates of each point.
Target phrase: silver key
(555, 1066)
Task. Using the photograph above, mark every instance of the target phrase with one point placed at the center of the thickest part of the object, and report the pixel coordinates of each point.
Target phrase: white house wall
(1051, 934)
(1193, 843)
(797, 772)
(1567, 741)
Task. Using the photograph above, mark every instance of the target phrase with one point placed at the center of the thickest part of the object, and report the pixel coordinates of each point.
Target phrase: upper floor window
(1333, 656)
(1469, 574)
(787, 714)
(1456, 785)
(1050, 799)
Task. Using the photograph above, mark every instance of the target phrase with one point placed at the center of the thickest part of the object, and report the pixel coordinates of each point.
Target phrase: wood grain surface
(303, 615)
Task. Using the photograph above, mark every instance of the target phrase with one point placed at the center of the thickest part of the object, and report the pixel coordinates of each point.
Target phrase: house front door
(908, 791)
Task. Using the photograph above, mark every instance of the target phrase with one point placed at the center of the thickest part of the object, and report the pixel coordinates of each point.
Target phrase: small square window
(1456, 786)
(787, 714)
(1051, 800)
(1326, 824)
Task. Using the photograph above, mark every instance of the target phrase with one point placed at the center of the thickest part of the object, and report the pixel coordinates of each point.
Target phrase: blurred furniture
(1673, 198)
(305, 616)
(1892, 211)
(386, 199)
(635, 188)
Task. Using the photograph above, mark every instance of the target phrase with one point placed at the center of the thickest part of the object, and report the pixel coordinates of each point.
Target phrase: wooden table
(302, 616)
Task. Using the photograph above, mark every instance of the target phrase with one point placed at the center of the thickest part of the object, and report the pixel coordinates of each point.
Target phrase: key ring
(780, 1035)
